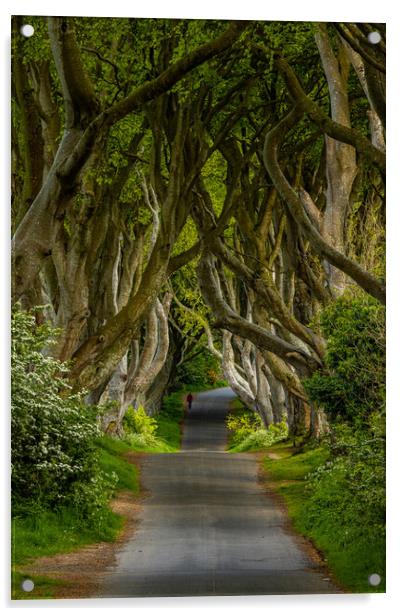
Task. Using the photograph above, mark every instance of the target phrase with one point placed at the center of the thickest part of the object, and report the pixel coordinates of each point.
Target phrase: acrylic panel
(198, 327)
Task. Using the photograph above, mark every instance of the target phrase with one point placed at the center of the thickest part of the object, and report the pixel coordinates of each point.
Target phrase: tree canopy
(183, 185)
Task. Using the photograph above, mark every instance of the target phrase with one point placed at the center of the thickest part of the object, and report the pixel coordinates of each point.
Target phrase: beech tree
(169, 155)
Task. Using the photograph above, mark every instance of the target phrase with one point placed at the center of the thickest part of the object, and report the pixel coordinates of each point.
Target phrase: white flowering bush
(52, 452)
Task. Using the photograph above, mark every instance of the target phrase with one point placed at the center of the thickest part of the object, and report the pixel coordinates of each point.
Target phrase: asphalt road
(208, 527)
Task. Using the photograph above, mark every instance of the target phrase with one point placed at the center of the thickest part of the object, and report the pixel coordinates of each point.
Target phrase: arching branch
(323, 121)
(273, 139)
(227, 318)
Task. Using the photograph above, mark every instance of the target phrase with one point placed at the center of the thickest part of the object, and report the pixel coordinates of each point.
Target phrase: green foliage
(198, 368)
(295, 467)
(263, 438)
(44, 532)
(354, 384)
(52, 451)
(136, 420)
(187, 237)
(351, 485)
(63, 472)
(37, 47)
(247, 432)
(170, 419)
(160, 434)
(214, 178)
(243, 424)
(202, 372)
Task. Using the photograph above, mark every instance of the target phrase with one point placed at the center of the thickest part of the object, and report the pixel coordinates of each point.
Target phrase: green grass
(170, 419)
(236, 405)
(284, 449)
(148, 444)
(53, 532)
(291, 466)
(348, 552)
(111, 452)
(253, 443)
(237, 408)
(45, 532)
(169, 431)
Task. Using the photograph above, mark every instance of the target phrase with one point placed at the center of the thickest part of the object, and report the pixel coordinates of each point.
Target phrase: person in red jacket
(189, 400)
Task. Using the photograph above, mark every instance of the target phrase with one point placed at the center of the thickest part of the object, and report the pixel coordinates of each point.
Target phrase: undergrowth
(159, 434)
(248, 433)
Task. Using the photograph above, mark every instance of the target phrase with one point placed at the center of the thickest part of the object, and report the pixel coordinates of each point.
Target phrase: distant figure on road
(189, 400)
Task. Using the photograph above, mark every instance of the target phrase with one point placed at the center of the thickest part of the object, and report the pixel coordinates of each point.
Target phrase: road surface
(208, 527)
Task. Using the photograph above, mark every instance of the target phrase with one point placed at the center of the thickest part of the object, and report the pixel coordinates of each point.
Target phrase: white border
(292, 10)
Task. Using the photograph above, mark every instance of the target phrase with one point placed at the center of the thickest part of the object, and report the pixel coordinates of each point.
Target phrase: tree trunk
(341, 166)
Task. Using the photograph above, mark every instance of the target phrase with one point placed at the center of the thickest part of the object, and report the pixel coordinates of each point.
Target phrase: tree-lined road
(208, 527)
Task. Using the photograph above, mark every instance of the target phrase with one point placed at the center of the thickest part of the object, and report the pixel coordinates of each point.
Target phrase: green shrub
(142, 441)
(160, 434)
(53, 430)
(353, 384)
(112, 461)
(243, 424)
(137, 421)
(140, 428)
(247, 432)
(40, 531)
(352, 483)
(263, 438)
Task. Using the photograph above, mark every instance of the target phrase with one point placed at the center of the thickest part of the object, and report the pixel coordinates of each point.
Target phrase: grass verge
(46, 533)
(349, 554)
(170, 419)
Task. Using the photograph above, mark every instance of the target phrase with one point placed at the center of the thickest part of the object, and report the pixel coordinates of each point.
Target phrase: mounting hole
(374, 37)
(27, 30)
(374, 579)
(27, 585)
